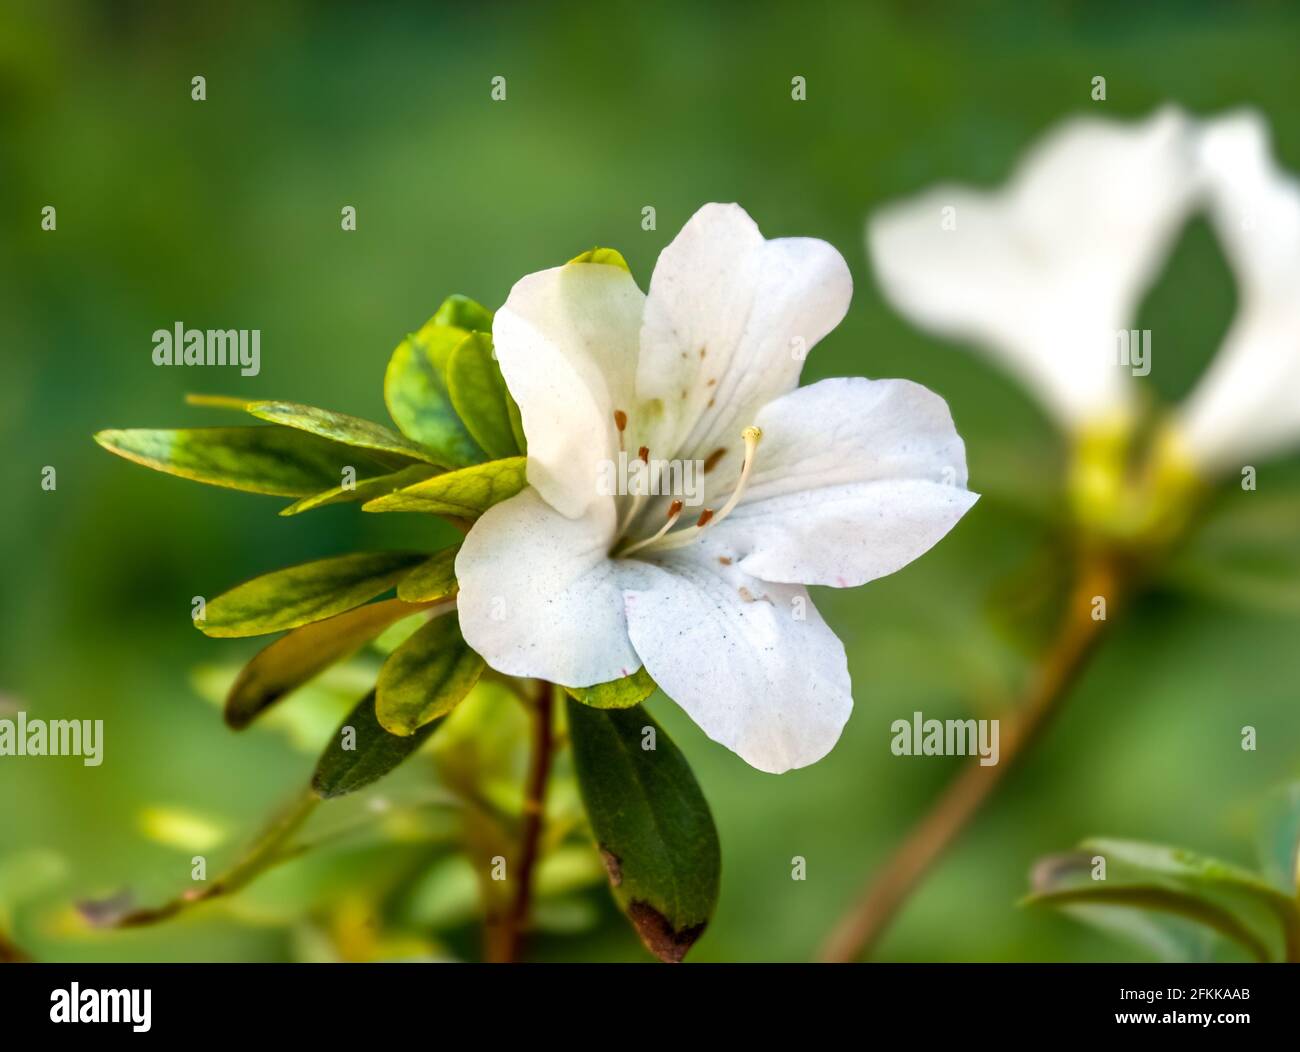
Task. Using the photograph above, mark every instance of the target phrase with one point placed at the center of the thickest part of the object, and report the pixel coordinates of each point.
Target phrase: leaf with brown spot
(651, 822)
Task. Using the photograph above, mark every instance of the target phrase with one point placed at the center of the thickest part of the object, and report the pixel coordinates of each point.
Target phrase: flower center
(666, 538)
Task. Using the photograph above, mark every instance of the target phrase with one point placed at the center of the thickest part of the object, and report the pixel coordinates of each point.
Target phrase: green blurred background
(226, 213)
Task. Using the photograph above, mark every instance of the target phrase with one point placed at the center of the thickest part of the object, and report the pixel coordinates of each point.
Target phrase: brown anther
(644, 454)
(620, 420)
(711, 461)
(675, 509)
(704, 518)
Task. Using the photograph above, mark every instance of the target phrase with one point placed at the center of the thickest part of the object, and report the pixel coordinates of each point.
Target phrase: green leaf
(651, 824)
(364, 489)
(479, 395)
(464, 494)
(1245, 553)
(374, 754)
(278, 461)
(1279, 838)
(301, 594)
(415, 385)
(339, 427)
(299, 656)
(517, 425)
(208, 401)
(617, 693)
(1162, 899)
(461, 312)
(609, 256)
(426, 677)
(1199, 873)
(432, 580)
(1187, 866)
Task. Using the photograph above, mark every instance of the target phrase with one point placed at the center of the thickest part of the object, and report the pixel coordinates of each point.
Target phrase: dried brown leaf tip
(658, 935)
(613, 866)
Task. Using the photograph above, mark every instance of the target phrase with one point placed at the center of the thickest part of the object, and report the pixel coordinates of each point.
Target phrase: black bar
(857, 1003)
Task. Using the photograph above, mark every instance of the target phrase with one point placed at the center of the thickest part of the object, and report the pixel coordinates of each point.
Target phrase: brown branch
(861, 928)
(508, 943)
(267, 851)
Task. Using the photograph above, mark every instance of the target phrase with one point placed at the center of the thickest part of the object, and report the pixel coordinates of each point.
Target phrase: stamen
(674, 513)
(752, 436)
(620, 422)
(638, 499)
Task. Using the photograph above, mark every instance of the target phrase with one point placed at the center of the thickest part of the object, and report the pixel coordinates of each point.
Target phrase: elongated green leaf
(339, 427)
(517, 425)
(415, 385)
(362, 752)
(609, 256)
(1163, 899)
(432, 580)
(617, 693)
(364, 489)
(479, 395)
(465, 494)
(1186, 866)
(651, 823)
(278, 461)
(293, 659)
(211, 401)
(309, 592)
(426, 677)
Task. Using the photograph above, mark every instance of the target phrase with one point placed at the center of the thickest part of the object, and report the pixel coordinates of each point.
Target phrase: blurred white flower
(837, 483)
(1047, 272)
(1248, 403)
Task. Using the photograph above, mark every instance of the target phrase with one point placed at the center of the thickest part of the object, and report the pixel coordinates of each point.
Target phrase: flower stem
(515, 925)
(266, 851)
(861, 928)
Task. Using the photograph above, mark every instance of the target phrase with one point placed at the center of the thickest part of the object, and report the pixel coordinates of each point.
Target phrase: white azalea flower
(1248, 403)
(1046, 273)
(834, 484)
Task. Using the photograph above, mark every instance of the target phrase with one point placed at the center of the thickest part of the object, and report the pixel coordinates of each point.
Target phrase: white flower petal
(732, 651)
(539, 596)
(1248, 403)
(728, 320)
(566, 341)
(1044, 273)
(853, 480)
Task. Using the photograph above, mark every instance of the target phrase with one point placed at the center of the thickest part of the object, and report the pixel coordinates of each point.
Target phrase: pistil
(674, 513)
(665, 541)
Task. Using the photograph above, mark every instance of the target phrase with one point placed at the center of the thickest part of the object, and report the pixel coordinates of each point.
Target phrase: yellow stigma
(663, 540)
